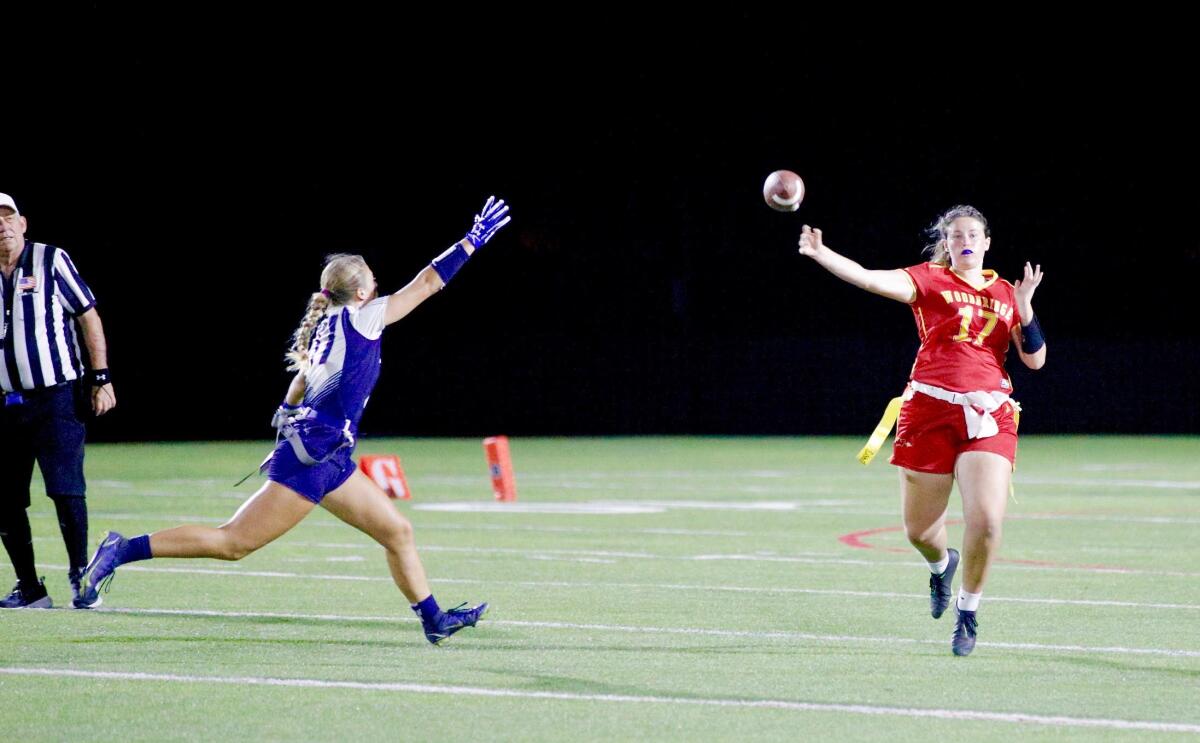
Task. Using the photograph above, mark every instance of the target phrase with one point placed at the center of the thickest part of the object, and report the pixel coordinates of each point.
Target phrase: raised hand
(1025, 287)
(810, 242)
(488, 221)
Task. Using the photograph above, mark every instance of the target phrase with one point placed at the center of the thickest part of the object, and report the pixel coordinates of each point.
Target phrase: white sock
(968, 601)
(937, 568)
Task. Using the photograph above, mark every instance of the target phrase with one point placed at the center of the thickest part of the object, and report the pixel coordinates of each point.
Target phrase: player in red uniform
(957, 421)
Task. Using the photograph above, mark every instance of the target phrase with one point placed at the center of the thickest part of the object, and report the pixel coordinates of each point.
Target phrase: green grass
(589, 605)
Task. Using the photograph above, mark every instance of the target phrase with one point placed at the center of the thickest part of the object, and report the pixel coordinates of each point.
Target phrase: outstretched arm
(434, 277)
(423, 286)
(894, 284)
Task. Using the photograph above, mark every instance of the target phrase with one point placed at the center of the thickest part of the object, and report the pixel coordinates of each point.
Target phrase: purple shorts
(313, 482)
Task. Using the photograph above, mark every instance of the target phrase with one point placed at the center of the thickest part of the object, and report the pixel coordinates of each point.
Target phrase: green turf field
(642, 589)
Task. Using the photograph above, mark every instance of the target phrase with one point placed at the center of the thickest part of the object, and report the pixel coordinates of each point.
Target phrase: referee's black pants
(45, 426)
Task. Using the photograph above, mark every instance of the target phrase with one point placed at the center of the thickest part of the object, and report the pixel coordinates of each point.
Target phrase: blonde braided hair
(344, 274)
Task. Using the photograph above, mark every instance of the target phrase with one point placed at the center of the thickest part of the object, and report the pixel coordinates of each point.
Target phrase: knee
(402, 533)
(988, 528)
(398, 535)
(921, 532)
(918, 536)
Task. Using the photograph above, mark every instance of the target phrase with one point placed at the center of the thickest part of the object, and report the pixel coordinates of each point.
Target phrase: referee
(40, 371)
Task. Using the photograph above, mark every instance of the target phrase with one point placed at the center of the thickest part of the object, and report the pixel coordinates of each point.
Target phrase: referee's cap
(6, 200)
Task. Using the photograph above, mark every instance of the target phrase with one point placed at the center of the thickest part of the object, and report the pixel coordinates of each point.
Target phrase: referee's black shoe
(27, 597)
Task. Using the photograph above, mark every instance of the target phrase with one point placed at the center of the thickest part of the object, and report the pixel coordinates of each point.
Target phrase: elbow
(869, 283)
(1035, 361)
(431, 282)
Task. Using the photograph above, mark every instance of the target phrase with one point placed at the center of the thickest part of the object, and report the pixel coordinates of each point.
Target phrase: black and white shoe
(28, 597)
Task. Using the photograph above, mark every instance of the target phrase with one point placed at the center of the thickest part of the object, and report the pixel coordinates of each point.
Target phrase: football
(783, 191)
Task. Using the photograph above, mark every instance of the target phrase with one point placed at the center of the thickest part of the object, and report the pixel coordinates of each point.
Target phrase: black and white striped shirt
(39, 346)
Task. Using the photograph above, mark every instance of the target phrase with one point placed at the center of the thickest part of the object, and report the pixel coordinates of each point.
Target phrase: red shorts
(932, 433)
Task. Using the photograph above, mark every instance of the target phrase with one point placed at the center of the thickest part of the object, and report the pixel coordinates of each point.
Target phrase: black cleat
(939, 586)
(964, 633)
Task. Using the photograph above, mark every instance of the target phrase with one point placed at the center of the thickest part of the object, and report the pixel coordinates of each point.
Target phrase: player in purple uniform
(335, 353)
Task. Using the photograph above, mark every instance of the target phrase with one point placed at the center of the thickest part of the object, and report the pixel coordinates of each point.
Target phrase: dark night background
(198, 171)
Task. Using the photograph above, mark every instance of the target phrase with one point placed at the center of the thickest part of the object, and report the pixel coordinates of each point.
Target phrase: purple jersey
(314, 457)
(344, 362)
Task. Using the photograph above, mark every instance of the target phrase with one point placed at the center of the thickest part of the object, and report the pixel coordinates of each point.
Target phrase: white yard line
(1019, 718)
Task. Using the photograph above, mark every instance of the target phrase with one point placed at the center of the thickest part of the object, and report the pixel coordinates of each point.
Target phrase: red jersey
(964, 331)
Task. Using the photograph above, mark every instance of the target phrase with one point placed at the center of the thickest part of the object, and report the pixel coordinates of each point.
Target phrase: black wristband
(1032, 339)
(98, 377)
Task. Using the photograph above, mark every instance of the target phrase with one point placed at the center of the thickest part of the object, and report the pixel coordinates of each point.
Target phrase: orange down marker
(504, 483)
(387, 473)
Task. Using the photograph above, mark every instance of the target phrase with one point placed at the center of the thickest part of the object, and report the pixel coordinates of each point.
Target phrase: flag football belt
(315, 438)
(977, 410)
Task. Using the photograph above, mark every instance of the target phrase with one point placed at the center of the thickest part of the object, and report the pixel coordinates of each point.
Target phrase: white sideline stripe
(698, 473)
(777, 635)
(184, 519)
(582, 508)
(695, 484)
(621, 486)
(1001, 566)
(801, 475)
(1120, 519)
(506, 508)
(539, 552)
(150, 493)
(689, 480)
(716, 505)
(580, 529)
(1165, 484)
(648, 586)
(508, 550)
(858, 709)
(556, 558)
